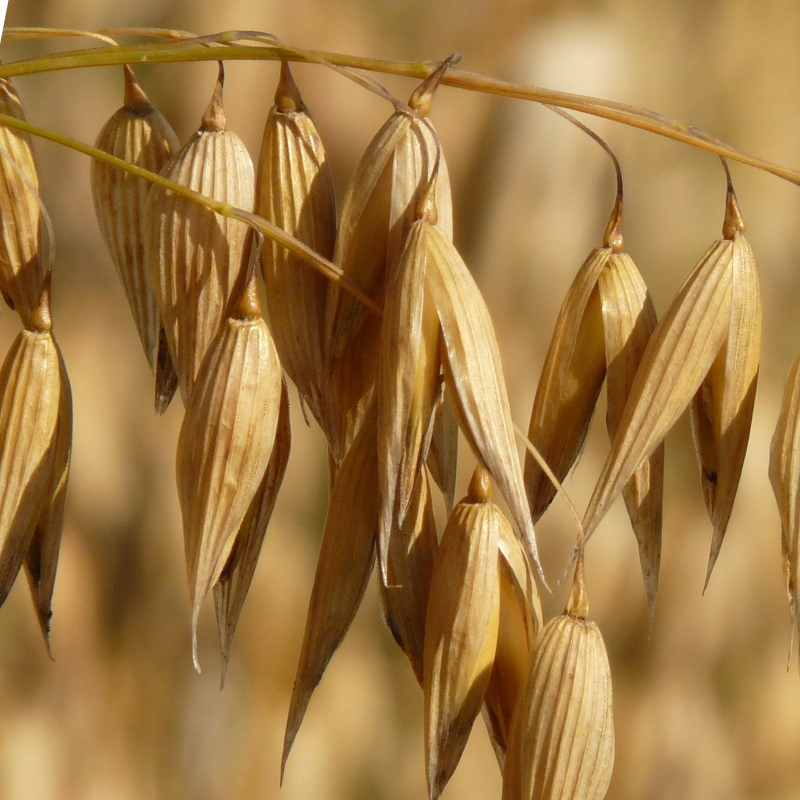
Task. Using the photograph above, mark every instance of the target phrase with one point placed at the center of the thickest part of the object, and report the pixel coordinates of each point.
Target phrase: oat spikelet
(32, 412)
(629, 319)
(677, 359)
(225, 443)
(408, 378)
(443, 454)
(139, 134)
(231, 589)
(460, 629)
(41, 560)
(722, 409)
(562, 738)
(474, 377)
(194, 255)
(572, 376)
(379, 208)
(784, 474)
(21, 264)
(346, 558)
(294, 189)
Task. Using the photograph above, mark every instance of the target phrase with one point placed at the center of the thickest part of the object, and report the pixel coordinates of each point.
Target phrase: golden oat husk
(562, 737)
(344, 565)
(676, 360)
(412, 554)
(139, 134)
(443, 454)
(474, 377)
(572, 376)
(225, 443)
(231, 589)
(629, 319)
(408, 378)
(722, 409)
(194, 256)
(31, 450)
(21, 263)
(41, 560)
(520, 623)
(784, 474)
(294, 189)
(380, 207)
(461, 628)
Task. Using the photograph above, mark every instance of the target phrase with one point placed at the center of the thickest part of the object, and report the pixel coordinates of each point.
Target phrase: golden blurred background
(705, 707)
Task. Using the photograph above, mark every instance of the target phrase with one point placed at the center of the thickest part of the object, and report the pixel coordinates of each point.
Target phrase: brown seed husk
(294, 189)
(225, 444)
(379, 209)
(474, 376)
(629, 319)
(408, 378)
(231, 589)
(460, 629)
(784, 474)
(139, 134)
(520, 623)
(562, 738)
(722, 409)
(30, 407)
(344, 565)
(41, 560)
(194, 256)
(411, 557)
(675, 362)
(21, 263)
(572, 376)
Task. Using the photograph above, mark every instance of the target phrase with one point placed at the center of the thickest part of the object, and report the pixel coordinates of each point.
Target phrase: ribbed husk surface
(194, 256)
(21, 263)
(225, 445)
(294, 189)
(31, 406)
(139, 134)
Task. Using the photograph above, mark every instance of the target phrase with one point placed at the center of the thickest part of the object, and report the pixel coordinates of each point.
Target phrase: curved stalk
(197, 49)
(263, 226)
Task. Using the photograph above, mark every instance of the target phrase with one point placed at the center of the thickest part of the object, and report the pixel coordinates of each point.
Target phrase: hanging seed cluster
(391, 393)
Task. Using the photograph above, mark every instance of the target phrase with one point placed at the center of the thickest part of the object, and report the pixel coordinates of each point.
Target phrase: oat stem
(264, 47)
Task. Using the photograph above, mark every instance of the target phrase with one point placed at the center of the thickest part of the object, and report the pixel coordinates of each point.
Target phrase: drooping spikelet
(561, 745)
(460, 629)
(194, 256)
(226, 442)
(139, 134)
(35, 440)
(344, 565)
(707, 345)
(21, 262)
(379, 208)
(294, 189)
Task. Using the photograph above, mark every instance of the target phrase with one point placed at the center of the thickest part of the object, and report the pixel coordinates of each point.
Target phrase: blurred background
(705, 707)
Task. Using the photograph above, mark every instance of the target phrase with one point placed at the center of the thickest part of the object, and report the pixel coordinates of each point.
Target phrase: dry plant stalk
(139, 134)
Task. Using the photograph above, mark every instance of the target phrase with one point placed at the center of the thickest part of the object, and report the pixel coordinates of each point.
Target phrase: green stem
(268, 229)
(187, 50)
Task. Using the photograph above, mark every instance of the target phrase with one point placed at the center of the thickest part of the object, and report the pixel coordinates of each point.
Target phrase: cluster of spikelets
(390, 391)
